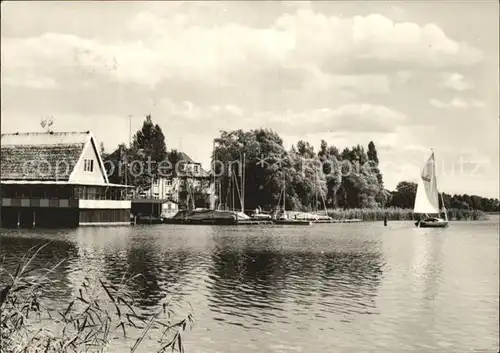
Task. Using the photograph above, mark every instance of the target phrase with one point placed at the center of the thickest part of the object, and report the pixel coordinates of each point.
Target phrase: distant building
(155, 208)
(169, 209)
(186, 181)
(57, 179)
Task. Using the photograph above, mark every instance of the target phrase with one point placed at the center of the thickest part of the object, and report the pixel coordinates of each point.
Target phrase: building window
(168, 182)
(88, 165)
(196, 168)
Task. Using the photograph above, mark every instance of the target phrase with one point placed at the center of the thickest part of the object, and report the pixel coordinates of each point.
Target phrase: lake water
(325, 288)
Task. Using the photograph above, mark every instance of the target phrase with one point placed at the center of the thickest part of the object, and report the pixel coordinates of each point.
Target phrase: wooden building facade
(57, 180)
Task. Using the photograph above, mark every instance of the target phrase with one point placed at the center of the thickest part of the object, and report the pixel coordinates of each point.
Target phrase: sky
(409, 76)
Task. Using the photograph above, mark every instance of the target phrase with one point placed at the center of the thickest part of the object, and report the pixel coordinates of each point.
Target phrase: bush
(99, 315)
(399, 214)
(372, 214)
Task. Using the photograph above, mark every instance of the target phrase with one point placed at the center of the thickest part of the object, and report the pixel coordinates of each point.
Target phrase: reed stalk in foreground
(95, 318)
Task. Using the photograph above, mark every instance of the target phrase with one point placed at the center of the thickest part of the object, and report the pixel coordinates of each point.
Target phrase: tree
(266, 163)
(102, 151)
(372, 152)
(125, 165)
(404, 195)
(304, 149)
(323, 150)
(150, 141)
(46, 123)
(329, 157)
(373, 158)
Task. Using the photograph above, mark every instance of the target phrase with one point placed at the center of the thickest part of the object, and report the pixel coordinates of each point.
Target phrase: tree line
(312, 180)
(404, 197)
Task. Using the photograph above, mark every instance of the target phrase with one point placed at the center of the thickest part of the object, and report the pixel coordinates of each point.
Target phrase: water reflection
(351, 288)
(162, 270)
(433, 269)
(259, 282)
(14, 247)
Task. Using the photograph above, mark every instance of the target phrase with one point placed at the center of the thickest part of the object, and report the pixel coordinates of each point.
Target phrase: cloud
(456, 103)
(174, 47)
(298, 4)
(354, 117)
(316, 79)
(30, 81)
(454, 81)
(189, 117)
(373, 38)
(403, 76)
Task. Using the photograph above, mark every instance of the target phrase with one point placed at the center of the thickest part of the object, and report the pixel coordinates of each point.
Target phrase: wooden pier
(248, 222)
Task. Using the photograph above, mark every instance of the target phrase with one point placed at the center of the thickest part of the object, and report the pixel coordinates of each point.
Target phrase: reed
(399, 214)
(100, 315)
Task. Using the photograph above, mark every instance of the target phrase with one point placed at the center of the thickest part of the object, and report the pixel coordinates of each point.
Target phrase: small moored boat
(284, 218)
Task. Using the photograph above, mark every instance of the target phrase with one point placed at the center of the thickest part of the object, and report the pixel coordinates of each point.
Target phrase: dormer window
(88, 165)
(196, 169)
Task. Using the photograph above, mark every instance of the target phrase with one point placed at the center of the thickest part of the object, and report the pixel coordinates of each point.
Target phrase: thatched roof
(40, 156)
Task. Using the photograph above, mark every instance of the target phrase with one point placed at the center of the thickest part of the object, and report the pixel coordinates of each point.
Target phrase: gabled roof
(44, 138)
(42, 156)
(185, 158)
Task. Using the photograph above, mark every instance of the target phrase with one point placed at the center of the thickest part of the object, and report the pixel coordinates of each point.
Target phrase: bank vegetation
(99, 315)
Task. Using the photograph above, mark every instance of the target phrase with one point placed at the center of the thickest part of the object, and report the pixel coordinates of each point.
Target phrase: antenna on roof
(46, 123)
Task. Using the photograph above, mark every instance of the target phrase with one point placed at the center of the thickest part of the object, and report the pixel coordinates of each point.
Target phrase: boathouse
(156, 208)
(56, 179)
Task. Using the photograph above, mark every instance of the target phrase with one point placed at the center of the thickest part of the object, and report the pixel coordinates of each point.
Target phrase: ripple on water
(356, 288)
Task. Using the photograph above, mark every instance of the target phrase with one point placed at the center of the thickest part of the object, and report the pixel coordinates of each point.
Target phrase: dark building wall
(146, 208)
(62, 192)
(27, 217)
(104, 216)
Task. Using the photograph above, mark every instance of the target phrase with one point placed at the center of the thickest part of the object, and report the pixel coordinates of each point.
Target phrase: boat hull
(215, 217)
(293, 222)
(433, 224)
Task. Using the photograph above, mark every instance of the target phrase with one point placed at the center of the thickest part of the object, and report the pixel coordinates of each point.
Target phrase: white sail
(427, 198)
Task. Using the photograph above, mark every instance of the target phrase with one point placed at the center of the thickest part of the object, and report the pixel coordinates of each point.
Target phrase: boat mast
(315, 209)
(232, 189)
(219, 189)
(238, 189)
(243, 186)
(213, 172)
(284, 195)
(444, 208)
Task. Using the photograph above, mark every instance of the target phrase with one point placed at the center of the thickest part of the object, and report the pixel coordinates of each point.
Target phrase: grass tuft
(99, 315)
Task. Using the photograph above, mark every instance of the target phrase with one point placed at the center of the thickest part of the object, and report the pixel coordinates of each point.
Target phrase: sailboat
(214, 215)
(285, 218)
(427, 198)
